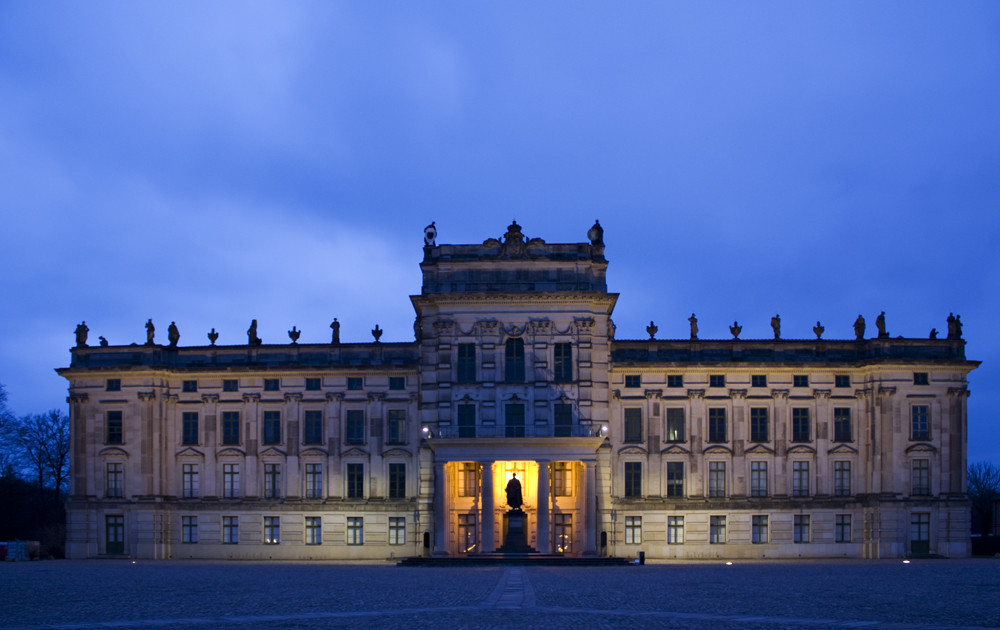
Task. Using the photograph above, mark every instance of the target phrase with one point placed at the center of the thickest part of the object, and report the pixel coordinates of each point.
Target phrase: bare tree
(8, 452)
(984, 491)
(43, 441)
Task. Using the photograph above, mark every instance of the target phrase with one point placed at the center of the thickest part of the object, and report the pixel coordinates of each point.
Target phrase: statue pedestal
(515, 538)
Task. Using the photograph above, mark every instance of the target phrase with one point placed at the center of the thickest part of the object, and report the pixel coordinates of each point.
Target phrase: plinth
(515, 540)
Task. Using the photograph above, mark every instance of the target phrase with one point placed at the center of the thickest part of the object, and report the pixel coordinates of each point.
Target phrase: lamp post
(416, 532)
(614, 519)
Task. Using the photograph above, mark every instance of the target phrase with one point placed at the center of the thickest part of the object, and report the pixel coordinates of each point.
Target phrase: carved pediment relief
(355, 452)
(231, 452)
(113, 451)
(396, 452)
(314, 452)
(717, 449)
(760, 449)
(801, 449)
(270, 451)
(190, 452)
(632, 450)
(843, 449)
(922, 447)
(675, 449)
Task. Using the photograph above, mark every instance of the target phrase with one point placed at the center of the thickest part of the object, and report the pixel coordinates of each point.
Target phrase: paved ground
(119, 594)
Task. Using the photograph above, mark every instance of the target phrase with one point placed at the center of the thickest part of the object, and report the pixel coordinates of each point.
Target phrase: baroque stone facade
(677, 448)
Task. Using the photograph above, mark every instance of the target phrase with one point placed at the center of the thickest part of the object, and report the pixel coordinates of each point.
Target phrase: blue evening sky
(212, 162)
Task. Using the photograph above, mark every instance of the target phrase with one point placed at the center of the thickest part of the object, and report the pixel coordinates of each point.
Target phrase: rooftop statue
(954, 326)
(818, 329)
(430, 235)
(81, 334)
(859, 328)
(150, 332)
(173, 334)
(694, 326)
(880, 324)
(336, 331)
(514, 498)
(596, 234)
(736, 329)
(103, 341)
(776, 326)
(252, 338)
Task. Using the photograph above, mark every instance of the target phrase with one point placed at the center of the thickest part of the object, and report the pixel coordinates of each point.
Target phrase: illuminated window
(675, 424)
(675, 530)
(272, 530)
(633, 530)
(563, 524)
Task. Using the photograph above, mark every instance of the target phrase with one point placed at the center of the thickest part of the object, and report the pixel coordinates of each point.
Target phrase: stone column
(440, 518)
(542, 537)
(589, 509)
(488, 517)
(293, 484)
(248, 485)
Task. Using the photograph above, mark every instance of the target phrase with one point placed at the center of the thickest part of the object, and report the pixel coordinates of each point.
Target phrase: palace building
(688, 448)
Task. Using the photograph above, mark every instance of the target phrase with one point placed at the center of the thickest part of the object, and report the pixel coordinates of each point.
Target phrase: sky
(213, 162)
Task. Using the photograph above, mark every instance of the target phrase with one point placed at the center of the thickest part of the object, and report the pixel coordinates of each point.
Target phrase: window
(272, 530)
(758, 479)
(758, 380)
(467, 479)
(230, 385)
(355, 426)
(313, 384)
(842, 528)
(675, 380)
(189, 481)
(466, 421)
(114, 433)
(564, 532)
(355, 481)
(759, 424)
(397, 481)
(841, 479)
(355, 383)
(396, 426)
(189, 427)
(758, 529)
(514, 420)
(514, 361)
(675, 530)
(675, 479)
(397, 530)
(467, 533)
(800, 479)
(921, 423)
(717, 530)
(314, 481)
(355, 530)
(189, 386)
(563, 363)
(633, 424)
(272, 481)
(633, 479)
(920, 532)
(920, 477)
(230, 481)
(716, 479)
(800, 380)
(314, 530)
(113, 385)
(633, 530)
(397, 382)
(800, 528)
(313, 427)
(842, 380)
(230, 530)
(675, 424)
(115, 481)
(230, 427)
(562, 479)
(920, 378)
(466, 363)
(841, 424)
(272, 427)
(717, 380)
(189, 529)
(272, 384)
(563, 420)
(633, 380)
(716, 424)
(800, 424)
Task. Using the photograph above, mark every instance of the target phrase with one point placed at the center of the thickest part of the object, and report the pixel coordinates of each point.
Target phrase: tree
(43, 441)
(984, 491)
(8, 449)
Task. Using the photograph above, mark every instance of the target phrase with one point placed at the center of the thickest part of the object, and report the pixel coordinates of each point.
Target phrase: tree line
(34, 477)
